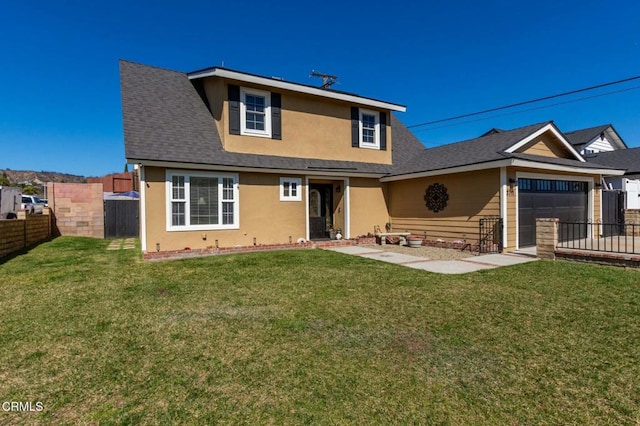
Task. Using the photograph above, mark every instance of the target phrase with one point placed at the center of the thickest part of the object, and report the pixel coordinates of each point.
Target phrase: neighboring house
(603, 145)
(628, 160)
(228, 158)
(596, 139)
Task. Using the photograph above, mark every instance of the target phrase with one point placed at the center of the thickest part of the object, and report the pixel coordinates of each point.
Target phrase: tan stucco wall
(512, 197)
(547, 145)
(368, 202)
(312, 127)
(262, 215)
(471, 195)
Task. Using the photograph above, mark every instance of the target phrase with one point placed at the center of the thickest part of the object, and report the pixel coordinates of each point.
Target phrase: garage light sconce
(513, 183)
(598, 186)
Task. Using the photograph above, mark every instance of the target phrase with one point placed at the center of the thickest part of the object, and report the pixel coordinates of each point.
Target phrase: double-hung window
(255, 112)
(369, 129)
(290, 189)
(202, 201)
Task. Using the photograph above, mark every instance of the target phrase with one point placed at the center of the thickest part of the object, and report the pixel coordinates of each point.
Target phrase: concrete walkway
(463, 266)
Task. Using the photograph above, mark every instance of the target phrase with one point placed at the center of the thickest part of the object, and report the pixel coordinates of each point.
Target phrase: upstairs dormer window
(368, 129)
(255, 112)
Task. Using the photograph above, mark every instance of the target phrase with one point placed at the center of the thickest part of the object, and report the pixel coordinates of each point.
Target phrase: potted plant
(414, 241)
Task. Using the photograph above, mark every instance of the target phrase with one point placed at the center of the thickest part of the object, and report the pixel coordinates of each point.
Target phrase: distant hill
(38, 178)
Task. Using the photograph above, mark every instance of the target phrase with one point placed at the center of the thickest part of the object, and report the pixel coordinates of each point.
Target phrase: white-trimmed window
(201, 201)
(369, 129)
(290, 189)
(255, 112)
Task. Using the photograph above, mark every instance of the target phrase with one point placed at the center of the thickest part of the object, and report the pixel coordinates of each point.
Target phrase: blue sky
(60, 104)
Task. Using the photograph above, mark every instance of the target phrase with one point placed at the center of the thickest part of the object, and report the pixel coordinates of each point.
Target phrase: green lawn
(312, 336)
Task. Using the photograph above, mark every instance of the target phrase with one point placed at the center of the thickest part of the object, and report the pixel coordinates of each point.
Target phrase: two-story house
(228, 158)
(231, 158)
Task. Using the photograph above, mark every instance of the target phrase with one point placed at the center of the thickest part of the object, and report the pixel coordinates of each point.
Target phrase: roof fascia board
(193, 166)
(561, 168)
(503, 163)
(615, 137)
(285, 85)
(450, 170)
(549, 127)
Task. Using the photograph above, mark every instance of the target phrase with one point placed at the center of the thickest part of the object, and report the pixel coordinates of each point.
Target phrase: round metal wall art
(436, 197)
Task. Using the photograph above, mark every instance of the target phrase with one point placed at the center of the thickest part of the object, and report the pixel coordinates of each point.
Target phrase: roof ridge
(501, 134)
(588, 128)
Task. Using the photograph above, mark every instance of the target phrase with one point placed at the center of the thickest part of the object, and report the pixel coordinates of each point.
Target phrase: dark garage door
(566, 200)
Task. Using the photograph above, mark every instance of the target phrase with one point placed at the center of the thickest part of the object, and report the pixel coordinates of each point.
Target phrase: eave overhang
(509, 162)
(316, 171)
(295, 87)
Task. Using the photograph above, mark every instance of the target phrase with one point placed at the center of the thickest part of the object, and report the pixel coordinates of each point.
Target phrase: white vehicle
(10, 200)
(32, 204)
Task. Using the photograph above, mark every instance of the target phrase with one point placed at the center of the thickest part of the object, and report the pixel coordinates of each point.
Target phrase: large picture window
(202, 201)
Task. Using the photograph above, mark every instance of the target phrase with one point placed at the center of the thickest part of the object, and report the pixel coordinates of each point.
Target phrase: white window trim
(266, 133)
(290, 180)
(187, 177)
(376, 144)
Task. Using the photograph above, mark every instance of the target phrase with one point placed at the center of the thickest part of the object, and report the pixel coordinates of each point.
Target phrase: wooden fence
(27, 230)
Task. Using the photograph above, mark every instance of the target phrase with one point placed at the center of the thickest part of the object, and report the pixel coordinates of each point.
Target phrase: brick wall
(78, 208)
(212, 251)
(27, 230)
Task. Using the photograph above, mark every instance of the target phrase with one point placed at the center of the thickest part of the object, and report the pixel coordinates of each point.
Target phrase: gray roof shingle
(166, 120)
(487, 148)
(623, 159)
(582, 136)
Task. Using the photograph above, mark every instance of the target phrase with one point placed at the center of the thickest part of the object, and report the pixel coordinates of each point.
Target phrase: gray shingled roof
(487, 148)
(582, 136)
(623, 159)
(166, 120)
(579, 138)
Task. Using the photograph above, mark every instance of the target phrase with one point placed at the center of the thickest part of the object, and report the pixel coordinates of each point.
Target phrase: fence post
(546, 237)
(22, 215)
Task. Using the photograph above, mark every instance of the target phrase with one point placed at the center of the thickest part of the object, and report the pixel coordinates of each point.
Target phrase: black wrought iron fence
(599, 236)
(490, 235)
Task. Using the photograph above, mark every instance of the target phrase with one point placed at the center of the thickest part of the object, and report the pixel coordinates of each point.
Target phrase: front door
(320, 210)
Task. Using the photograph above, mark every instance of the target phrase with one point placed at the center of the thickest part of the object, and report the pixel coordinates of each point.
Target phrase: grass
(313, 337)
